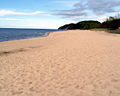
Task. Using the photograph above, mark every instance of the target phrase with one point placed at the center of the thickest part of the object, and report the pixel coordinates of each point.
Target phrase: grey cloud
(70, 13)
(102, 6)
(98, 7)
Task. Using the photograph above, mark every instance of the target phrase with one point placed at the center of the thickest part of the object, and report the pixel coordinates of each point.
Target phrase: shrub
(111, 24)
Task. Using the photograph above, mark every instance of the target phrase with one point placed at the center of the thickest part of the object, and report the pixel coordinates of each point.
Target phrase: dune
(65, 63)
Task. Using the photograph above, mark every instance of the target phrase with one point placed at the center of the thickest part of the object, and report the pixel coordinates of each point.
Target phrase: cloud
(100, 7)
(11, 19)
(10, 12)
(103, 18)
(86, 8)
(70, 13)
(66, 3)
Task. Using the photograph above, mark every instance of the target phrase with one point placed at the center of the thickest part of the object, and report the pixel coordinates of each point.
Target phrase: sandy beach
(65, 63)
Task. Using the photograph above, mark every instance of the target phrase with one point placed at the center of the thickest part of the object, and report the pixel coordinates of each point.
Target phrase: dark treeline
(111, 23)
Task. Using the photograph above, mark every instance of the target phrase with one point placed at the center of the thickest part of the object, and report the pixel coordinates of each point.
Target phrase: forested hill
(111, 23)
(82, 25)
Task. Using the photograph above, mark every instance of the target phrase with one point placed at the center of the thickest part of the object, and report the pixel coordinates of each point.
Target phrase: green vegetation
(82, 25)
(117, 31)
(111, 25)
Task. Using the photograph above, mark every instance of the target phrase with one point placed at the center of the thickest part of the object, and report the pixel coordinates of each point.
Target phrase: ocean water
(7, 34)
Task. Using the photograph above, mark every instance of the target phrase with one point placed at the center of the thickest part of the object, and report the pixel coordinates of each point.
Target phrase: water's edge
(40, 32)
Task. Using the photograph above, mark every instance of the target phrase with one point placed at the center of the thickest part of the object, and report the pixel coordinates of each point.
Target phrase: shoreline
(45, 34)
(11, 44)
(48, 33)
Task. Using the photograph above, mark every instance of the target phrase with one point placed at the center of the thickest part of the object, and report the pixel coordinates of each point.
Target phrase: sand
(66, 63)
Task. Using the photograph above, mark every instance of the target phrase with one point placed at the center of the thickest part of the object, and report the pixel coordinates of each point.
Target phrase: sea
(7, 34)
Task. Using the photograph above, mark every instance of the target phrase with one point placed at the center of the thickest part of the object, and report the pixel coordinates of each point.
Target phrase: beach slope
(65, 63)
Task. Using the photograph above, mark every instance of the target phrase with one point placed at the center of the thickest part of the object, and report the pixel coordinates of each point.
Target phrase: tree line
(112, 23)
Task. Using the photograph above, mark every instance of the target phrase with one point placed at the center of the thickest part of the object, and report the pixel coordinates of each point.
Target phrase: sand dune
(67, 63)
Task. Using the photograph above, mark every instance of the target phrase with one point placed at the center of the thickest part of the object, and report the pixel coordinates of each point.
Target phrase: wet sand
(66, 63)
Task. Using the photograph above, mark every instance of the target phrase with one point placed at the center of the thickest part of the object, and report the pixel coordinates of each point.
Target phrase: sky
(51, 14)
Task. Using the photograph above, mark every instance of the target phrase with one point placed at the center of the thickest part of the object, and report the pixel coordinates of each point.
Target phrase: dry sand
(67, 63)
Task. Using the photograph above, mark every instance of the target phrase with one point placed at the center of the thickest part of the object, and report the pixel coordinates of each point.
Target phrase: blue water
(7, 34)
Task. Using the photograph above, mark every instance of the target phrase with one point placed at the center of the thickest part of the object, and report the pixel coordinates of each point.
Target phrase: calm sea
(7, 34)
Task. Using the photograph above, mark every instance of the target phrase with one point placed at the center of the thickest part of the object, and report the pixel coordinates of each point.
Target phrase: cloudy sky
(54, 13)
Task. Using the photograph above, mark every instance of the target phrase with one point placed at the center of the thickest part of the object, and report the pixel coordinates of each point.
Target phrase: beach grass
(117, 31)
